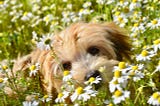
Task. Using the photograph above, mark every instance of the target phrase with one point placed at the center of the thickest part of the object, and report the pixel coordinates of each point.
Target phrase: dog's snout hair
(81, 48)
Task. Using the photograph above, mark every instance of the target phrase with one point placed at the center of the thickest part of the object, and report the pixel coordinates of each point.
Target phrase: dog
(81, 48)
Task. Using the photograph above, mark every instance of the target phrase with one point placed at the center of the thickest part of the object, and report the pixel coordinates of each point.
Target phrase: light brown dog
(81, 48)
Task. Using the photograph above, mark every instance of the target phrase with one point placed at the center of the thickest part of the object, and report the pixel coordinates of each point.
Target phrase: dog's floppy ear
(120, 41)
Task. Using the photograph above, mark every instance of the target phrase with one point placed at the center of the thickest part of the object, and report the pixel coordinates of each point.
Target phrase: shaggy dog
(81, 48)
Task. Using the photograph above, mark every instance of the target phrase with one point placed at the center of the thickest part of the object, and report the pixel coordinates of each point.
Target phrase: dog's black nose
(94, 74)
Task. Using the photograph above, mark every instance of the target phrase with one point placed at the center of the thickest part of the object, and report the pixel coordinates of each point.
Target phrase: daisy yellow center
(60, 95)
(154, 21)
(144, 53)
(120, 19)
(4, 67)
(134, 1)
(65, 73)
(79, 90)
(122, 65)
(155, 95)
(117, 13)
(156, 42)
(45, 96)
(117, 74)
(36, 97)
(115, 82)
(159, 63)
(1, 2)
(136, 25)
(33, 67)
(134, 67)
(91, 79)
(25, 13)
(46, 19)
(1, 80)
(126, 10)
(117, 93)
(110, 104)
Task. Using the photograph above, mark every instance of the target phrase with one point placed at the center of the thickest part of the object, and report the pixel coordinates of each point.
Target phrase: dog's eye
(93, 50)
(67, 65)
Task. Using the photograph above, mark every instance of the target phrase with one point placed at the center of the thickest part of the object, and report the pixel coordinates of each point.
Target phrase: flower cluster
(122, 74)
(76, 93)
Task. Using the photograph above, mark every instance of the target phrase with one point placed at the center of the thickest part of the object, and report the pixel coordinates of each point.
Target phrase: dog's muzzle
(94, 74)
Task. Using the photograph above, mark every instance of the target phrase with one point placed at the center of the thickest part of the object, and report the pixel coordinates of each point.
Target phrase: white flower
(3, 81)
(44, 43)
(154, 99)
(114, 84)
(138, 28)
(30, 103)
(134, 4)
(156, 45)
(155, 23)
(67, 76)
(48, 18)
(135, 72)
(119, 96)
(93, 80)
(4, 68)
(34, 69)
(26, 16)
(87, 4)
(83, 94)
(101, 2)
(120, 20)
(145, 55)
(46, 98)
(61, 97)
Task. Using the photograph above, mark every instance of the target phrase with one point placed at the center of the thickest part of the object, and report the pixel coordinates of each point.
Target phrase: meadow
(26, 24)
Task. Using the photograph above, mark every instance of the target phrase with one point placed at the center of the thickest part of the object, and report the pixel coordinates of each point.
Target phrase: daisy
(154, 99)
(3, 81)
(4, 68)
(61, 97)
(118, 74)
(135, 4)
(83, 94)
(34, 69)
(93, 80)
(44, 43)
(120, 95)
(114, 84)
(87, 4)
(48, 18)
(135, 72)
(145, 55)
(30, 103)
(156, 45)
(26, 16)
(67, 76)
(46, 98)
(120, 20)
(155, 23)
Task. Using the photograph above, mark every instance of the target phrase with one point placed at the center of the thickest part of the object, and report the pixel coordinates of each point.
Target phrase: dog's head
(83, 48)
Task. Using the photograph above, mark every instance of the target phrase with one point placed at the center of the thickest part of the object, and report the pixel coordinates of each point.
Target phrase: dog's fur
(72, 47)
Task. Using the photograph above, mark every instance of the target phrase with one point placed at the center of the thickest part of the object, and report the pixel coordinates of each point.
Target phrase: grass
(19, 19)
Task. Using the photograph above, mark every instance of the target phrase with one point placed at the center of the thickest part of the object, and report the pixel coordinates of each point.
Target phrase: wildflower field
(26, 24)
